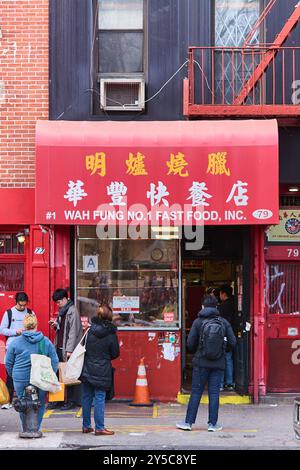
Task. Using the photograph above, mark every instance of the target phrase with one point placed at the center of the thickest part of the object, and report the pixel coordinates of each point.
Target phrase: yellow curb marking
(79, 413)
(183, 399)
(48, 413)
(155, 411)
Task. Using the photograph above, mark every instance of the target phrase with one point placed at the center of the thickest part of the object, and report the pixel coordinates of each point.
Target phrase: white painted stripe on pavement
(11, 440)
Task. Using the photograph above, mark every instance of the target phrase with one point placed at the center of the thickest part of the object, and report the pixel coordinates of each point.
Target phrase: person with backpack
(11, 327)
(207, 339)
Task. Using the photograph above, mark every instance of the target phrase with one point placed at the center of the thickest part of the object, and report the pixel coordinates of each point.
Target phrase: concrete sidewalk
(248, 427)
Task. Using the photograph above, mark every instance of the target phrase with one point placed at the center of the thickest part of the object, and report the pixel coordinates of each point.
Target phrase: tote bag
(42, 375)
(75, 363)
(4, 394)
(62, 376)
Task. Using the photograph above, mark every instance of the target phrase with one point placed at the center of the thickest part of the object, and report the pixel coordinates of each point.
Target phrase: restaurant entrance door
(223, 260)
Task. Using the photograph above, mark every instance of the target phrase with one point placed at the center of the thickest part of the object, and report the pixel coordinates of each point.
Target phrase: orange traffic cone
(141, 395)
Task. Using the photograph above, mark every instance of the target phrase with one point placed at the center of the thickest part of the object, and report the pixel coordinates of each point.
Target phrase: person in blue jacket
(18, 362)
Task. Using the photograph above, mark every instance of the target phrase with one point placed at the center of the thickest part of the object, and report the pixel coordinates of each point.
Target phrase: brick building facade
(23, 87)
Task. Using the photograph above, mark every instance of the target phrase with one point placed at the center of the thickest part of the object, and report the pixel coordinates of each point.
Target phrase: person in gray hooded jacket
(207, 369)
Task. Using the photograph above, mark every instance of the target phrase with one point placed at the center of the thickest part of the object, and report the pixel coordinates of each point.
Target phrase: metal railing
(251, 76)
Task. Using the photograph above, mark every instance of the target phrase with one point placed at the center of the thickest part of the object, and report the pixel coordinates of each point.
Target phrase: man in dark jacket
(206, 370)
(227, 311)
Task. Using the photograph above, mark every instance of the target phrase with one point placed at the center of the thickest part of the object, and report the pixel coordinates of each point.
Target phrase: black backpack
(9, 314)
(212, 341)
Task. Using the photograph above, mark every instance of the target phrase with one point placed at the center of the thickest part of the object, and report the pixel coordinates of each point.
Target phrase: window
(9, 244)
(143, 273)
(234, 20)
(11, 277)
(282, 293)
(121, 36)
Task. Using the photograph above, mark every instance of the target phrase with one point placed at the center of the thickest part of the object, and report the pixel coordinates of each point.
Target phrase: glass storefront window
(137, 278)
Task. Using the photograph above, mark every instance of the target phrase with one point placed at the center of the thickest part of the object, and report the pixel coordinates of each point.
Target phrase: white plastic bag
(75, 363)
(42, 375)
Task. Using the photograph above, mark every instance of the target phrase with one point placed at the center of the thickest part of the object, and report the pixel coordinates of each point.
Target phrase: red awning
(181, 172)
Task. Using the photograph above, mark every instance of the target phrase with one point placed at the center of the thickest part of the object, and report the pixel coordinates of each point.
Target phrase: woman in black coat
(101, 348)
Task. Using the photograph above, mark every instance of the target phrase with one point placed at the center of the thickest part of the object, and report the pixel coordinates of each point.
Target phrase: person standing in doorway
(207, 339)
(227, 311)
(11, 327)
(68, 333)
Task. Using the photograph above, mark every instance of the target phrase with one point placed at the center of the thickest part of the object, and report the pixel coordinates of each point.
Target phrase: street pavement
(245, 427)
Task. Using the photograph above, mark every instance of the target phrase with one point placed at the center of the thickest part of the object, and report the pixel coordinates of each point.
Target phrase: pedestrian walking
(68, 333)
(11, 327)
(227, 311)
(207, 339)
(97, 374)
(18, 361)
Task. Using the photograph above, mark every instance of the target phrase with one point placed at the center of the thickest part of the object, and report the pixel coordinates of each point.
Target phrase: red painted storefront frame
(280, 346)
(53, 270)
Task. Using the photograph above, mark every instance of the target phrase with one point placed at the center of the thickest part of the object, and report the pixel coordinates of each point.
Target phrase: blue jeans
(90, 393)
(20, 388)
(201, 376)
(228, 369)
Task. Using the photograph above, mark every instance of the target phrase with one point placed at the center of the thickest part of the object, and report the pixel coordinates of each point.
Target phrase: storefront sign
(288, 229)
(125, 304)
(90, 264)
(157, 173)
(168, 316)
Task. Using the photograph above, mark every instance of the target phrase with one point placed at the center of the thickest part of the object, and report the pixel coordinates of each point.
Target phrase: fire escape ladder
(269, 56)
(259, 22)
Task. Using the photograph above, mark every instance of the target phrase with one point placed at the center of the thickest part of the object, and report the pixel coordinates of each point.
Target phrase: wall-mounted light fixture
(293, 189)
(22, 235)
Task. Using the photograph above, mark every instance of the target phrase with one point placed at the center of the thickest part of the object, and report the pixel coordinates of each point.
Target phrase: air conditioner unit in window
(122, 94)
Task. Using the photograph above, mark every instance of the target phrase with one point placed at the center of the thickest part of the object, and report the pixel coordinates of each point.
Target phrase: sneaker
(214, 428)
(69, 406)
(7, 406)
(229, 387)
(53, 405)
(184, 426)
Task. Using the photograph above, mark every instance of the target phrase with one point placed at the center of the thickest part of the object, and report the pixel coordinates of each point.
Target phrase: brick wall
(23, 87)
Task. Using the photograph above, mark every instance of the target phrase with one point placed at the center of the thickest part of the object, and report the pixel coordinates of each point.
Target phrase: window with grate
(9, 244)
(121, 36)
(234, 20)
(11, 277)
(282, 294)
